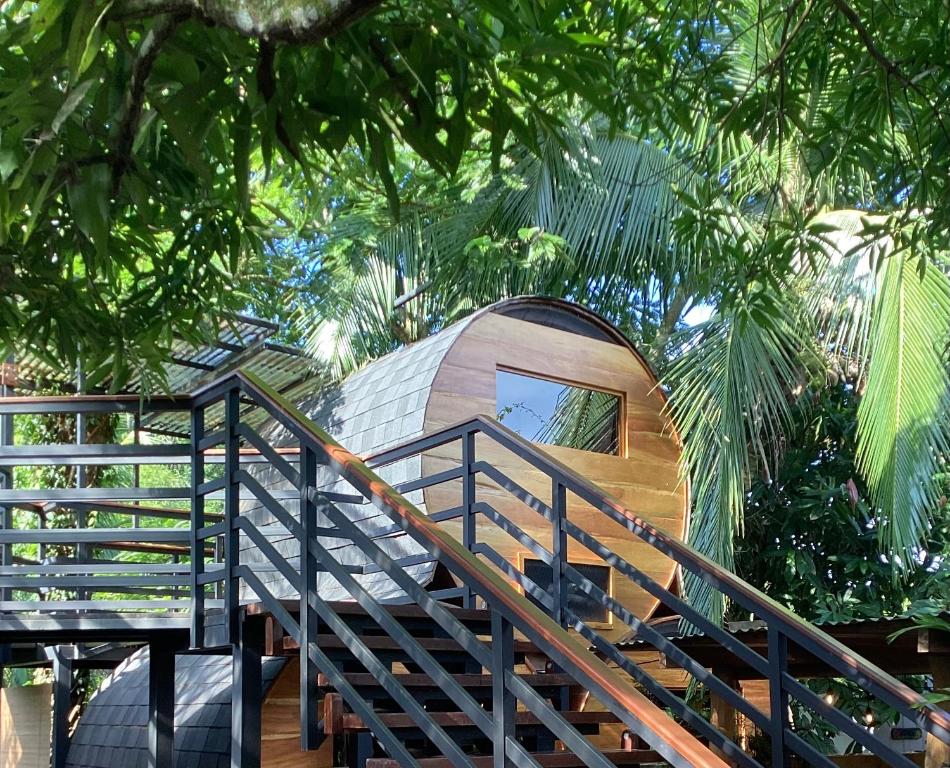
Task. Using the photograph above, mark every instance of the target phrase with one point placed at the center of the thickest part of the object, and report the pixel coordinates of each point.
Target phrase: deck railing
(215, 574)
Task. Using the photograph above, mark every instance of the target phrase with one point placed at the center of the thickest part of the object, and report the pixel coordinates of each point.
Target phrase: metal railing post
(232, 508)
(6, 473)
(503, 702)
(778, 696)
(558, 552)
(197, 524)
(468, 505)
(309, 732)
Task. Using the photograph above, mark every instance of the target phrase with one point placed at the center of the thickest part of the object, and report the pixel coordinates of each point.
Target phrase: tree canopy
(375, 170)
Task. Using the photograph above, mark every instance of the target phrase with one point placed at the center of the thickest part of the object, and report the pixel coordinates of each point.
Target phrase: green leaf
(72, 101)
(89, 204)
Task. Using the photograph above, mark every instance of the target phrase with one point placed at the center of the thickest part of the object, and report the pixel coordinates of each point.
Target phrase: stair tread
(353, 722)
(417, 680)
(386, 643)
(544, 759)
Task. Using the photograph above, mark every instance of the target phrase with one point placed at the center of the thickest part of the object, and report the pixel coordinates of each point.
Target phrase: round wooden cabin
(550, 370)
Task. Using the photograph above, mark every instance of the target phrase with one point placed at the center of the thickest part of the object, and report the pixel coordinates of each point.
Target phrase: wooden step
(544, 759)
(384, 643)
(414, 680)
(336, 721)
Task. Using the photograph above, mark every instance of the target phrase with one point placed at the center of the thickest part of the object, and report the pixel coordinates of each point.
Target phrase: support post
(503, 702)
(161, 705)
(246, 695)
(468, 506)
(937, 754)
(558, 552)
(309, 717)
(197, 523)
(6, 473)
(232, 508)
(62, 658)
(778, 697)
(81, 551)
(722, 713)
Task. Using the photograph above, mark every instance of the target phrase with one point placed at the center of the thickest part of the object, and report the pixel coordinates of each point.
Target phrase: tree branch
(289, 21)
(131, 113)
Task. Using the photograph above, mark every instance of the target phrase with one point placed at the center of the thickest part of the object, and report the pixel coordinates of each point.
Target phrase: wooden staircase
(352, 737)
(494, 670)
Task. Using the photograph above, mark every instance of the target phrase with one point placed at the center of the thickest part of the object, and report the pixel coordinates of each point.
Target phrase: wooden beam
(722, 714)
(938, 753)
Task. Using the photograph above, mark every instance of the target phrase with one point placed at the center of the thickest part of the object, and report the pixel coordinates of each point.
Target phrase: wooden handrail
(672, 740)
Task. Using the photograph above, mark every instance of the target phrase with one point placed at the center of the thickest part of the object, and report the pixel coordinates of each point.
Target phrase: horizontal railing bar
(727, 640)
(429, 480)
(90, 454)
(92, 535)
(276, 460)
(43, 569)
(94, 582)
(513, 530)
(165, 513)
(268, 551)
(528, 585)
(418, 445)
(211, 486)
(271, 504)
(92, 404)
(210, 577)
(343, 498)
(524, 496)
(664, 645)
(798, 745)
(212, 439)
(106, 606)
(844, 723)
(211, 531)
(271, 604)
(402, 562)
(666, 697)
(58, 495)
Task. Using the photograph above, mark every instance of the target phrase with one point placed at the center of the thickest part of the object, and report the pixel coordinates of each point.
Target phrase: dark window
(579, 603)
(553, 413)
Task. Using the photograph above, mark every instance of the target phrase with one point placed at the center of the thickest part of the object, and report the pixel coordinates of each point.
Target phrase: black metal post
(246, 695)
(6, 473)
(61, 657)
(558, 552)
(309, 732)
(778, 697)
(197, 523)
(161, 705)
(136, 468)
(468, 505)
(81, 550)
(503, 702)
(232, 508)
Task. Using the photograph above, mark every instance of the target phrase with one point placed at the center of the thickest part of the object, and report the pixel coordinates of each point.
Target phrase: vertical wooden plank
(161, 705)
(722, 714)
(937, 753)
(309, 732)
(503, 702)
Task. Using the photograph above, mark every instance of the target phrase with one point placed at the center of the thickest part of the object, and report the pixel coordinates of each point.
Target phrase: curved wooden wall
(645, 476)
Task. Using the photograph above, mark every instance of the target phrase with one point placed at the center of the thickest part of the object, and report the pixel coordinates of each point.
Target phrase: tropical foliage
(780, 168)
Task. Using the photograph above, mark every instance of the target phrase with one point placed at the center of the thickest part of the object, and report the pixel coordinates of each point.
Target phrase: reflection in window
(582, 605)
(558, 414)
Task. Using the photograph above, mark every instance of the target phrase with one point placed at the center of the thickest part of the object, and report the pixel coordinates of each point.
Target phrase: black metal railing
(223, 558)
(784, 627)
(321, 515)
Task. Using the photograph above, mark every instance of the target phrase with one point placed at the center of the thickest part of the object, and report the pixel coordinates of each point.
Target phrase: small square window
(554, 413)
(579, 602)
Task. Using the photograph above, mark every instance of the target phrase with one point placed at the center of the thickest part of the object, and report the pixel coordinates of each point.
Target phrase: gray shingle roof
(113, 730)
